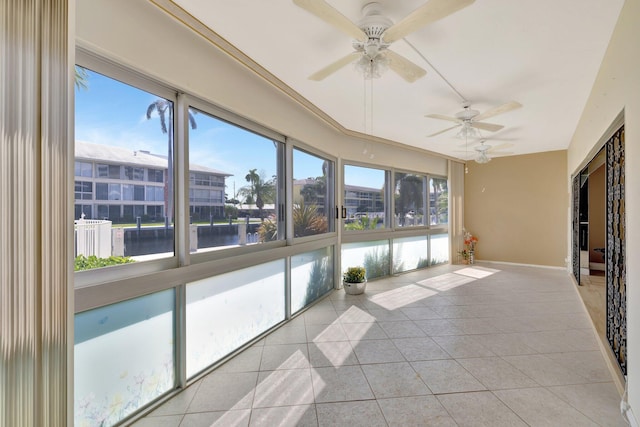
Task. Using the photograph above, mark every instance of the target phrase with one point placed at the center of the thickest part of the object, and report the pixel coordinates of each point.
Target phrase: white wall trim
(550, 267)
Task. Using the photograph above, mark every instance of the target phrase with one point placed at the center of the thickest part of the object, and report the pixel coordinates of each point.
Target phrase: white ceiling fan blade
(405, 68)
(432, 11)
(332, 68)
(443, 117)
(486, 126)
(443, 131)
(498, 110)
(330, 15)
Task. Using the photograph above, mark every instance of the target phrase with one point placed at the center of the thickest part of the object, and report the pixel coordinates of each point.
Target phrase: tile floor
(482, 345)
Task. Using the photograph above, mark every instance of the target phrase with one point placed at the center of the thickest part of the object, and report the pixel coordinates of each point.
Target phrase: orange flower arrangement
(470, 246)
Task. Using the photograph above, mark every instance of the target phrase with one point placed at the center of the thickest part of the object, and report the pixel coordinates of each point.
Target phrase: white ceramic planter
(354, 288)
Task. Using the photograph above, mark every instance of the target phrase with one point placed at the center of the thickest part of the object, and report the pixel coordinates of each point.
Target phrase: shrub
(87, 263)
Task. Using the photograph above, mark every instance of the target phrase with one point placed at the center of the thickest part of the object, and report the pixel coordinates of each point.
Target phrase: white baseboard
(551, 267)
(600, 266)
(628, 414)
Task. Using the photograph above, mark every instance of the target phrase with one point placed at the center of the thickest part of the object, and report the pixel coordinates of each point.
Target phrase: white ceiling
(544, 54)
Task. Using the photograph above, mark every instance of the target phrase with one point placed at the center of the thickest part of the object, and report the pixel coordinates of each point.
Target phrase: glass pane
(364, 198)
(311, 277)
(438, 201)
(232, 184)
(410, 191)
(312, 194)
(410, 253)
(439, 249)
(226, 311)
(373, 256)
(113, 141)
(123, 358)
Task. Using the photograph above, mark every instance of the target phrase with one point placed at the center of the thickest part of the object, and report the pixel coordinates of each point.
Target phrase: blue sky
(112, 113)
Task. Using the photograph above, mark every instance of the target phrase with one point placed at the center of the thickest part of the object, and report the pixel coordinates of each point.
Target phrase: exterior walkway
(482, 345)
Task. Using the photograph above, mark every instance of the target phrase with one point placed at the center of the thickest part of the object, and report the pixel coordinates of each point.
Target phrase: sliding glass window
(410, 199)
(124, 135)
(364, 198)
(233, 184)
(313, 202)
(438, 202)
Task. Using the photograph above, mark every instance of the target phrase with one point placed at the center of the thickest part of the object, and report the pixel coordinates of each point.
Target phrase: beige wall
(517, 207)
(616, 89)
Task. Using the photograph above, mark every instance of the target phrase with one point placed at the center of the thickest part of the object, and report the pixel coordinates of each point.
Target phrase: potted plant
(354, 280)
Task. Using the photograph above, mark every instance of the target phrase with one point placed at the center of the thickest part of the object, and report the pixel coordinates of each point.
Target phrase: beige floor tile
(496, 374)
(247, 361)
(446, 376)
(285, 416)
(325, 354)
(394, 380)
(340, 384)
(462, 346)
(600, 402)
(287, 335)
(588, 364)
(283, 388)
(415, 411)
(476, 326)
(160, 421)
(352, 414)
(438, 327)
(422, 348)
(364, 331)
(479, 409)
(355, 315)
(377, 351)
(545, 371)
(402, 329)
(325, 333)
(219, 391)
(320, 317)
(285, 356)
(505, 344)
(420, 313)
(382, 315)
(540, 407)
(239, 418)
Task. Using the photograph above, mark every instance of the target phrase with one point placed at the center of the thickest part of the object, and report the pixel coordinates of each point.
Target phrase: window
(438, 201)
(83, 190)
(123, 148)
(410, 199)
(134, 173)
(312, 194)
(83, 169)
(246, 165)
(364, 198)
(140, 328)
(155, 175)
(108, 171)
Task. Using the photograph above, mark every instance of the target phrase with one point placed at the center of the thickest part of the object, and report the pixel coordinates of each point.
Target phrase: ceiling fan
(469, 119)
(483, 151)
(375, 33)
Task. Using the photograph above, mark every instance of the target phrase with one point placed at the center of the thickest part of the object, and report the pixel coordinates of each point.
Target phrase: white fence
(92, 237)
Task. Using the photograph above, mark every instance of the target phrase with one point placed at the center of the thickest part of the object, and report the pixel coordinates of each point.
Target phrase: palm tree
(82, 78)
(165, 112)
(259, 191)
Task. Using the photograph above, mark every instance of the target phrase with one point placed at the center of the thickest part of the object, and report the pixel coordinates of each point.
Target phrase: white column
(35, 216)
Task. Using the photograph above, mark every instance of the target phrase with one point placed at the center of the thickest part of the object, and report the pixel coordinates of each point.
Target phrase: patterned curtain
(35, 213)
(615, 256)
